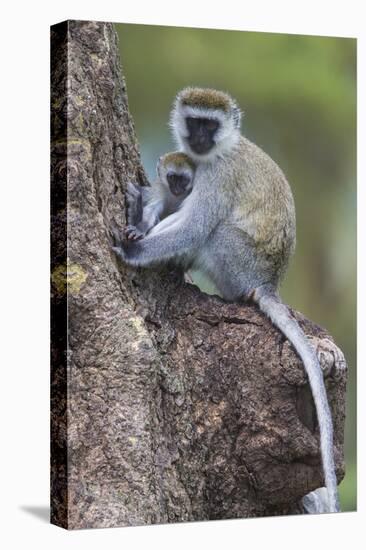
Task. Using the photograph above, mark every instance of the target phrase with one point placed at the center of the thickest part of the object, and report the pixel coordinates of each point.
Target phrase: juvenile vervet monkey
(237, 226)
(149, 205)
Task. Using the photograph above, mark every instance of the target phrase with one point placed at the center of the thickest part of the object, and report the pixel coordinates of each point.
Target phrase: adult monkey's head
(205, 123)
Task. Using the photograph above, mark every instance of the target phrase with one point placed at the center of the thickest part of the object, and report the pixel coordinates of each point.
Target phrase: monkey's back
(264, 206)
(255, 236)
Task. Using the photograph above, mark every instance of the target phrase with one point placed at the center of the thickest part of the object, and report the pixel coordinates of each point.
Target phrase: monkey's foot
(187, 278)
(330, 357)
(117, 241)
(116, 235)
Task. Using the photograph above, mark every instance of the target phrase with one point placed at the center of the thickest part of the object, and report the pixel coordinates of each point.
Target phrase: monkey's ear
(158, 167)
(236, 113)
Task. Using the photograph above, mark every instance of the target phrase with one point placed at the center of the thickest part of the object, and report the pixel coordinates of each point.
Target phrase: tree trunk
(167, 404)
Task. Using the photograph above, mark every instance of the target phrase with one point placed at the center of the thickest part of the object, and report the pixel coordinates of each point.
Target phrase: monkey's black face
(178, 183)
(201, 134)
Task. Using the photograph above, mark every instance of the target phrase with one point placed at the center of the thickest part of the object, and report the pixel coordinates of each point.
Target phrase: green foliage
(298, 94)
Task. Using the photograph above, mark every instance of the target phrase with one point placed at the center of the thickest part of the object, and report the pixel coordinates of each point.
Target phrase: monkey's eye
(202, 124)
(212, 124)
(192, 123)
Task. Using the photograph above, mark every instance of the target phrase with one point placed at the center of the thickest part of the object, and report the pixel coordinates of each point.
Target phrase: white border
(24, 270)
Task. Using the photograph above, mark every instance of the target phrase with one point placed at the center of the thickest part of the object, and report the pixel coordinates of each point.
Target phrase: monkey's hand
(179, 235)
(145, 252)
(122, 247)
(128, 252)
(133, 233)
(151, 250)
(118, 243)
(134, 203)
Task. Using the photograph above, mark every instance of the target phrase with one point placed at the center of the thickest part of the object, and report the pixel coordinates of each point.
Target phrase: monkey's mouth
(177, 183)
(177, 189)
(201, 148)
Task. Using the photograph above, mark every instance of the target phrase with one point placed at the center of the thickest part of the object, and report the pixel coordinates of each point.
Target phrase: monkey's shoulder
(260, 177)
(264, 205)
(258, 162)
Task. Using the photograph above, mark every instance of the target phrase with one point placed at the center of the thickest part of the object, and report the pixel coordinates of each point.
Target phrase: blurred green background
(298, 94)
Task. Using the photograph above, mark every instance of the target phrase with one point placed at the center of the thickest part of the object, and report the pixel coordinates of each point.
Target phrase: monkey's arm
(179, 234)
(145, 207)
(150, 217)
(134, 199)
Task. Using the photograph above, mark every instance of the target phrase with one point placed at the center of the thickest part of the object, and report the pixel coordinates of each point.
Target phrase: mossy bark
(167, 404)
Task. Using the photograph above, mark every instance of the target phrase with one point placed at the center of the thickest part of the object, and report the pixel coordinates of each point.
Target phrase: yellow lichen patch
(68, 277)
(206, 98)
(56, 103)
(96, 59)
(132, 440)
(138, 324)
(83, 142)
(79, 122)
(79, 100)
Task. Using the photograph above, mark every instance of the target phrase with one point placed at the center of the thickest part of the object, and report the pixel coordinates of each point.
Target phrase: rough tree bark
(167, 404)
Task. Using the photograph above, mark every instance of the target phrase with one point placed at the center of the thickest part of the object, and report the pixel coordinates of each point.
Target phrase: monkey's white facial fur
(205, 123)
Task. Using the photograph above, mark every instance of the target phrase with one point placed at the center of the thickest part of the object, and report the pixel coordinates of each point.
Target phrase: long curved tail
(280, 315)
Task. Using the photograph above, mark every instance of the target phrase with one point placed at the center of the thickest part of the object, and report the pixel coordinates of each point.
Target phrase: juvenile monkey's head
(205, 122)
(176, 171)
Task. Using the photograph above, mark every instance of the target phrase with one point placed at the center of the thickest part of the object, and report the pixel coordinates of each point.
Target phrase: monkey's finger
(137, 236)
(133, 234)
(129, 230)
(132, 190)
(116, 235)
(119, 252)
